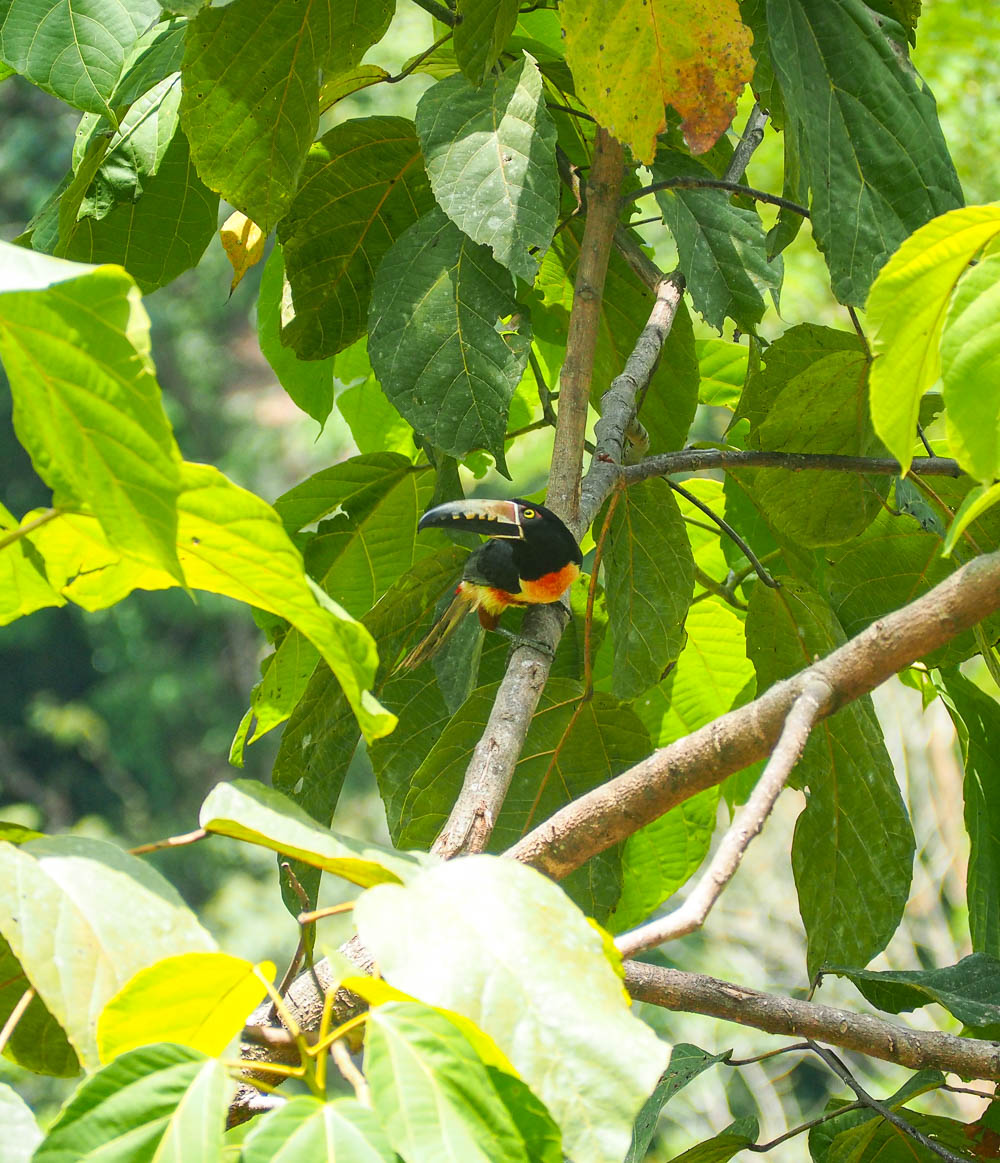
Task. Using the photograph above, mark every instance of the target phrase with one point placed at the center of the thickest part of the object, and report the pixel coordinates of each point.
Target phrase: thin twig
(693, 183)
(440, 12)
(307, 918)
(793, 1048)
(880, 1108)
(715, 588)
(864, 339)
(730, 532)
(342, 1057)
(722, 868)
(544, 395)
(705, 459)
(418, 60)
(15, 1015)
(170, 842)
(750, 139)
(553, 107)
(818, 1122)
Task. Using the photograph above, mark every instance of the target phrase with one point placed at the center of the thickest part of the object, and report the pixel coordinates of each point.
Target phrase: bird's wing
(493, 565)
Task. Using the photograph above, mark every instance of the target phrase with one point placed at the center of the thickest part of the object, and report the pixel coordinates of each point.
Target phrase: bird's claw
(517, 640)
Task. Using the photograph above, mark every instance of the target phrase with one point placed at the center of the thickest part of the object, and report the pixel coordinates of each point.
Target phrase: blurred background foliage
(117, 723)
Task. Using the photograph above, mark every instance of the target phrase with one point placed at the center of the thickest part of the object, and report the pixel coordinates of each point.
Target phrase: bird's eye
(529, 513)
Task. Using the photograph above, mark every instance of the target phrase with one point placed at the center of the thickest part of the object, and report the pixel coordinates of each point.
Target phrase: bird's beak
(494, 518)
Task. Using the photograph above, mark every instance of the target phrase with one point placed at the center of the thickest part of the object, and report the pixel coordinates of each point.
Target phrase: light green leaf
(444, 363)
(572, 1038)
(164, 1102)
(852, 852)
(722, 369)
(86, 403)
(82, 917)
(308, 382)
(491, 160)
(648, 580)
(337, 87)
(872, 152)
(19, 1133)
(977, 502)
(907, 309)
(306, 1128)
(200, 1000)
(480, 36)
(250, 106)
(249, 811)
(76, 50)
(362, 186)
(721, 246)
(970, 370)
(23, 584)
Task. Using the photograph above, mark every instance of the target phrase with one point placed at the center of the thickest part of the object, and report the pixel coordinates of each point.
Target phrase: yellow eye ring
(529, 513)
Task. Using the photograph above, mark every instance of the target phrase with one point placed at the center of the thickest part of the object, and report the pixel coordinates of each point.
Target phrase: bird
(531, 558)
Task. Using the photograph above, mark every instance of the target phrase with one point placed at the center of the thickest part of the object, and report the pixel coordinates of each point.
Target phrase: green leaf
(144, 189)
(721, 246)
(82, 917)
(672, 398)
(363, 184)
(877, 1139)
(164, 1102)
(491, 160)
(23, 584)
(571, 1037)
(249, 811)
(157, 54)
(648, 580)
(722, 370)
(907, 310)
(970, 990)
(74, 49)
(483, 30)
(812, 396)
(308, 382)
(434, 339)
(723, 1146)
(978, 501)
(355, 28)
(686, 1063)
(305, 1128)
(433, 1094)
(709, 679)
(970, 363)
(250, 106)
(852, 852)
(21, 1134)
(37, 1042)
(199, 1000)
(75, 345)
(572, 746)
(977, 720)
(872, 151)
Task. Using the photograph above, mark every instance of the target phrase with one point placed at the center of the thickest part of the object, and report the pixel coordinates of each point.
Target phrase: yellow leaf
(631, 58)
(243, 241)
(199, 1000)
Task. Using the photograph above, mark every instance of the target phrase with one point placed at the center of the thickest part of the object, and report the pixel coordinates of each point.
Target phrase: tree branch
(703, 459)
(722, 868)
(620, 807)
(696, 993)
(695, 183)
(750, 139)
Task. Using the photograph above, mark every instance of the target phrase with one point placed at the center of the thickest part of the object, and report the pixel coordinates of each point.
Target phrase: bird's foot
(517, 640)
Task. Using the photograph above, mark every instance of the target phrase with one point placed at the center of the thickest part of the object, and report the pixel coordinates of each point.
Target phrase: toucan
(530, 558)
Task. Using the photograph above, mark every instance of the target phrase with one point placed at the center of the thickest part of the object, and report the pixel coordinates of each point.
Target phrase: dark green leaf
(872, 150)
(355, 28)
(686, 1063)
(483, 29)
(158, 53)
(723, 1146)
(852, 852)
(490, 156)
(649, 580)
(436, 342)
(37, 1042)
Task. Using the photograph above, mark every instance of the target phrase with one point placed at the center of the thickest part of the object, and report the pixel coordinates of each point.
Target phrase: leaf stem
(24, 530)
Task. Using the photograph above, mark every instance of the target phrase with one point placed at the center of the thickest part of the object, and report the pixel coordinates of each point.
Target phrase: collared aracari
(530, 558)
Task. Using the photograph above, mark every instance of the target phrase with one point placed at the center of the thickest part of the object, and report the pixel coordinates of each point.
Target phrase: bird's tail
(439, 633)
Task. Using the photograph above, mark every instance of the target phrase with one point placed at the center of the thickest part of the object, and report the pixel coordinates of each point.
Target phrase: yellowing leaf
(630, 59)
(243, 241)
(200, 1000)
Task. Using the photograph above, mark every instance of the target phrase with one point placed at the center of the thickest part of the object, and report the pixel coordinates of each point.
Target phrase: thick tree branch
(617, 809)
(703, 459)
(722, 868)
(695, 993)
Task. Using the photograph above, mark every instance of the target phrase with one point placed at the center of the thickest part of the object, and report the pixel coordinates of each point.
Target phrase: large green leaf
(572, 746)
(434, 339)
(145, 187)
(81, 917)
(812, 396)
(362, 186)
(648, 580)
(721, 246)
(872, 151)
(907, 310)
(571, 1037)
(251, 98)
(852, 852)
(77, 50)
(970, 363)
(482, 31)
(491, 159)
(710, 677)
(305, 1128)
(162, 1102)
(977, 720)
(87, 407)
(433, 1094)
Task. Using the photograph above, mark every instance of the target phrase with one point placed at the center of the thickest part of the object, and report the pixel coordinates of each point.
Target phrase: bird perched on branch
(531, 558)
